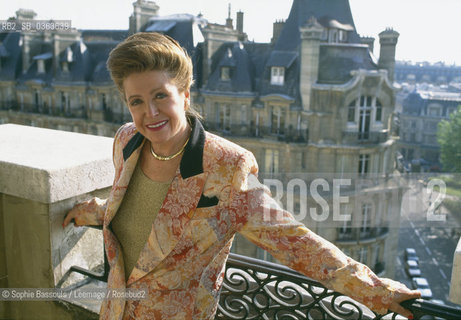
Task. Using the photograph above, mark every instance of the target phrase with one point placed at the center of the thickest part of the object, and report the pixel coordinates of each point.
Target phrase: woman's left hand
(401, 294)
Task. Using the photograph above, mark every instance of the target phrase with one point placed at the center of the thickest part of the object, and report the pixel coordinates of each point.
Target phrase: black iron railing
(258, 289)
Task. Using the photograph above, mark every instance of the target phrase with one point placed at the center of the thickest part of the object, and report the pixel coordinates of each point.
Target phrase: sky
(428, 28)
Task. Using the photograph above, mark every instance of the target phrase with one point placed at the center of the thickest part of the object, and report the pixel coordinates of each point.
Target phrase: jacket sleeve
(262, 221)
(91, 212)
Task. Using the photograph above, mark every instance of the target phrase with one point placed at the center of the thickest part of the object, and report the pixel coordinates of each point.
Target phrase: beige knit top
(133, 222)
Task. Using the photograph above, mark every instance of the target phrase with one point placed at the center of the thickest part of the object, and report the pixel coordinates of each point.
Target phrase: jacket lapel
(121, 184)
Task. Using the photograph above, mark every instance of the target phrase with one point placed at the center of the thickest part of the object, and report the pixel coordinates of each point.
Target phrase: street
(434, 241)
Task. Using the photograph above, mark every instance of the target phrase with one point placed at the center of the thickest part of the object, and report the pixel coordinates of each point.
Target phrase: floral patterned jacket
(214, 194)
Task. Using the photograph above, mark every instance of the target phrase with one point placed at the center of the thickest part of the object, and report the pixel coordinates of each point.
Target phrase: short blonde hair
(146, 51)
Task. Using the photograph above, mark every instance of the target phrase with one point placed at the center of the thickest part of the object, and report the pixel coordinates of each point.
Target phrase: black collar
(192, 159)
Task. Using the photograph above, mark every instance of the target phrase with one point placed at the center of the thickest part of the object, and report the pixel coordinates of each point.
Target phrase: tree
(449, 138)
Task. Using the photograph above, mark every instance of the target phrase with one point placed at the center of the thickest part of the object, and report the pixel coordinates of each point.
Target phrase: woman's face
(158, 107)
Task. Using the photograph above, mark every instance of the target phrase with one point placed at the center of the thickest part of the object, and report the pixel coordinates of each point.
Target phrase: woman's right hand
(74, 214)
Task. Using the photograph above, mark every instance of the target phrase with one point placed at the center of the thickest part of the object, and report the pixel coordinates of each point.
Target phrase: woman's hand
(401, 294)
(75, 214)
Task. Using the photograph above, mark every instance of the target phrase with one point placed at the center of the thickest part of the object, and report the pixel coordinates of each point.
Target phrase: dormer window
(342, 35)
(225, 73)
(278, 76)
(65, 66)
(40, 66)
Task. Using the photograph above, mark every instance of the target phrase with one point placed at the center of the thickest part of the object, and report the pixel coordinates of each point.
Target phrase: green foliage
(449, 138)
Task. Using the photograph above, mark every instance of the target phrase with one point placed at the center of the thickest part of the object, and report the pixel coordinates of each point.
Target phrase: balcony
(242, 130)
(363, 138)
(36, 252)
(356, 235)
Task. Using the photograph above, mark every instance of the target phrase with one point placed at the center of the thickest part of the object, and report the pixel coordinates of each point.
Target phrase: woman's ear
(186, 99)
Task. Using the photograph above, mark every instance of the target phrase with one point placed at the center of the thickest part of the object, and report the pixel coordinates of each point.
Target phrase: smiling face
(158, 107)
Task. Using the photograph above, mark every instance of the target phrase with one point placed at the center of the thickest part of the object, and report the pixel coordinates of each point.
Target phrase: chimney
(369, 41)
(388, 41)
(277, 29)
(311, 34)
(229, 21)
(143, 10)
(240, 22)
(25, 14)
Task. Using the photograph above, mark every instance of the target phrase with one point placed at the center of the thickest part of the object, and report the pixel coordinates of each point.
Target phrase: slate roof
(103, 35)
(178, 26)
(338, 60)
(246, 62)
(11, 62)
(416, 103)
(99, 53)
(45, 54)
(324, 11)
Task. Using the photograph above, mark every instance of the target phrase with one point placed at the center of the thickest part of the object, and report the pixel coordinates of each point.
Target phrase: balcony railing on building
(367, 137)
(289, 134)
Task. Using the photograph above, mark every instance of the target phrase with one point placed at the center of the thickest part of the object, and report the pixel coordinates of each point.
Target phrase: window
(278, 76)
(342, 36)
(379, 111)
(364, 160)
(40, 66)
(363, 255)
(351, 112)
(364, 117)
(225, 73)
(365, 228)
(271, 161)
(277, 121)
(434, 111)
(224, 117)
(244, 115)
(103, 102)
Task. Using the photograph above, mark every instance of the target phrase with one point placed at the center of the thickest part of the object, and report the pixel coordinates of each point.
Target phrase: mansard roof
(246, 63)
(182, 27)
(338, 60)
(417, 102)
(99, 53)
(11, 61)
(327, 12)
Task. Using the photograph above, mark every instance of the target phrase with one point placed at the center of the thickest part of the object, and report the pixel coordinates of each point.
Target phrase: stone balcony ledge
(43, 173)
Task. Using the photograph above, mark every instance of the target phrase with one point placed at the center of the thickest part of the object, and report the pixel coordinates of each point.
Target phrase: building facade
(421, 113)
(314, 106)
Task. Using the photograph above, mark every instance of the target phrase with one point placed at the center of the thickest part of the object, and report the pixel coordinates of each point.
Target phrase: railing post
(43, 173)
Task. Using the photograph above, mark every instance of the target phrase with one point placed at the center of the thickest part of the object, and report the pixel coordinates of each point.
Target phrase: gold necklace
(161, 158)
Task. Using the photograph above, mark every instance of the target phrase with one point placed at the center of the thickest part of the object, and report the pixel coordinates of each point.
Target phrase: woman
(181, 193)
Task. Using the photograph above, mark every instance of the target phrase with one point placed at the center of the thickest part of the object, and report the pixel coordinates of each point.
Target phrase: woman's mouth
(157, 126)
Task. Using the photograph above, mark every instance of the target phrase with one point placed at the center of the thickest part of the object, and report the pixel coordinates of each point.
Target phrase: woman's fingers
(72, 215)
(403, 295)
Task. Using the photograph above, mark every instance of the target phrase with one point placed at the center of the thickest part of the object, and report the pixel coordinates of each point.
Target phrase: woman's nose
(152, 109)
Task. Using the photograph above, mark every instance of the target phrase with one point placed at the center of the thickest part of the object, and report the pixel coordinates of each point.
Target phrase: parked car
(410, 254)
(412, 268)
(422, 285)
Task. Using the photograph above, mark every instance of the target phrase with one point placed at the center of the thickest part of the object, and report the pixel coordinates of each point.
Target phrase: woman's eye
(135, 102)
(160, 96)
